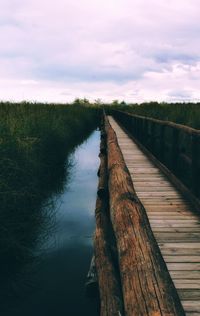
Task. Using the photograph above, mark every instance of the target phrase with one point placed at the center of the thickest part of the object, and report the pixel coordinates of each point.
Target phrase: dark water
(53, 283)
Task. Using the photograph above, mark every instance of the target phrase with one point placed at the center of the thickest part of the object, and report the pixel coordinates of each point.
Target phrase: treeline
(35, 141)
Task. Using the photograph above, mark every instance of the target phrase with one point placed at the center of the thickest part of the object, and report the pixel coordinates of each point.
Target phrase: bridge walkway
(174, 222)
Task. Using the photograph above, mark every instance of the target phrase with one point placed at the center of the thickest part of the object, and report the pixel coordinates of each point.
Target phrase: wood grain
(111, 301)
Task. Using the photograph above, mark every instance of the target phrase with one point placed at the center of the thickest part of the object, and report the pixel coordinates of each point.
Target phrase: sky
(132, 50)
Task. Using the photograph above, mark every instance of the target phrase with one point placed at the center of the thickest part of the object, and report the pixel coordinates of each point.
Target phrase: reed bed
(181, 113)
(35, 142)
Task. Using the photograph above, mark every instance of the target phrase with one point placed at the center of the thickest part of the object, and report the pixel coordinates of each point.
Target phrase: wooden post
(162, 142)
(196, 165)
(175, 151)
(143, 131)
(146, 136)
(146, 283)
(152, 137)
(139, 129)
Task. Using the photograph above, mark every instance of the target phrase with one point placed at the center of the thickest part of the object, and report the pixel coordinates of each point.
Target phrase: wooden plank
(175, 229)
(191, 306)
(177, 237)
(184, 208)
(175, 216)
(184, 267)
(187, 283)
(179, 251)
(147, 177)
(171, 213)
(162, 203)
(153, 184)
(150, 191)
(159, 195)
(189, 294)
(190, 275)
(164, 199)
(182, 258)
(174, 223)
(194, 246)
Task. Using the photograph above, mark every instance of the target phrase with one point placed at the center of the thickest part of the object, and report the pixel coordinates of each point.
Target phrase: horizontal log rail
(174, 145)
(111, 302)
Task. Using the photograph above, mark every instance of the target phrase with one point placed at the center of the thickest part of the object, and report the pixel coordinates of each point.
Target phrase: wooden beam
(111, 301)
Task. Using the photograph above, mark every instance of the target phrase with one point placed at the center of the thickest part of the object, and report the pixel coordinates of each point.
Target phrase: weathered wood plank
(191, 229)
(190, 275)
(187, 283)
(182, 259)
(179, 251)
(192, 306)
(189, 294)
(174, 223)
(194, 246)
(177, 237)
(172, 212)
(183, 266)
(174, 216)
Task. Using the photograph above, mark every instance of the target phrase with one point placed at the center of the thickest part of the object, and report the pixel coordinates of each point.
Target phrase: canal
(53, 283)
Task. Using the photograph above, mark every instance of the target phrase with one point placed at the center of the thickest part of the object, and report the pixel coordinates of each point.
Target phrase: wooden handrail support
(146, 284)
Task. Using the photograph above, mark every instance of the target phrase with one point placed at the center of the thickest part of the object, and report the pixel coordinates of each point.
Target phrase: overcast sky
(133, 50)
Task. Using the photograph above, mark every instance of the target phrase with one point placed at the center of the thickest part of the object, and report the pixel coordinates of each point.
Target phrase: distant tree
(76, 101)
(98, 102)
(84, 101)
(115, 103)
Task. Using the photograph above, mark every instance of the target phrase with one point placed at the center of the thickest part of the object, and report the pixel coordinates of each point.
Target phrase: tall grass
(182, 113)
(35, 141)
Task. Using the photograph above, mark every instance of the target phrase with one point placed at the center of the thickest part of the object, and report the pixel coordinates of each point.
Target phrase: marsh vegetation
(181, 113)
(35, 142)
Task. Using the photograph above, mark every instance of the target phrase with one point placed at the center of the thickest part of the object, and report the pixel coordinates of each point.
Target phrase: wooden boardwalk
(173, 220)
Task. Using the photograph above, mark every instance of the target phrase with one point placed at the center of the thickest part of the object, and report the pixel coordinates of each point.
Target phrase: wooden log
(111, 302)
(146, 283)
(109, 283)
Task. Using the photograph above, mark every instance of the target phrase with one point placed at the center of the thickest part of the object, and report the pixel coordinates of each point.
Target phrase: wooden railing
(175, 145)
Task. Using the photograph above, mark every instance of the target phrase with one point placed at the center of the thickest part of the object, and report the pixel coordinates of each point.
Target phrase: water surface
(53, 284)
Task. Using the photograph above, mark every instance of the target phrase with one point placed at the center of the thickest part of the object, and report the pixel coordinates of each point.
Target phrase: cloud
(134, 50)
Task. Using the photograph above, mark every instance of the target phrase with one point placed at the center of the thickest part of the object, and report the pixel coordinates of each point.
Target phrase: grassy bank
(186, 114)
(35, 141)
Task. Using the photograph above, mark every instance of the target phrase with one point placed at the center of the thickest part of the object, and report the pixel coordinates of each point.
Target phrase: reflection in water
(54, 284)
